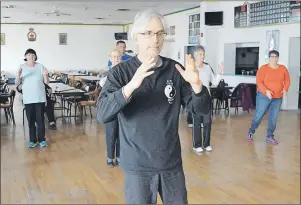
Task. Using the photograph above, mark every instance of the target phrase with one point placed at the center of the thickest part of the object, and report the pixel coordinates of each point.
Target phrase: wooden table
(90, 78)
(73, 74)
(62, 90)
(53, 81)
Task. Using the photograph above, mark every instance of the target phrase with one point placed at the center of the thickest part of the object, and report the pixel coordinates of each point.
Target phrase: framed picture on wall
(62, 38)
(2, 38)
(173, 30)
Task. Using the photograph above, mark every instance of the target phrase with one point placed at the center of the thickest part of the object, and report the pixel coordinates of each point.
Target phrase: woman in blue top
(33, 76)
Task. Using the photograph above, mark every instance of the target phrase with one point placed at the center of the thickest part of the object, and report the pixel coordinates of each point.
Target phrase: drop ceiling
(104, 12)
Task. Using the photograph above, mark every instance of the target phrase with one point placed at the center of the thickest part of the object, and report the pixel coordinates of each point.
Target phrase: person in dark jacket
(145, 93)
(50, 108)
(112, 138)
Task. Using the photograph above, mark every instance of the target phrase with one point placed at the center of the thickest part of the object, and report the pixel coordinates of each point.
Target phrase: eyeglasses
(273, 56)
(150, 34)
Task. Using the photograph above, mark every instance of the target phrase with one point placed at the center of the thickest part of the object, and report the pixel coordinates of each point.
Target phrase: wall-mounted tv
(215, 18)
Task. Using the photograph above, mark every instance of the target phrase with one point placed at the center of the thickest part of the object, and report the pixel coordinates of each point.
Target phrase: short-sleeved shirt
(33, 87)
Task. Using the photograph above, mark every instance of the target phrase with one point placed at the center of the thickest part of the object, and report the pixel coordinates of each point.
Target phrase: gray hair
(113, 51)
(141, 19)
(197, 49)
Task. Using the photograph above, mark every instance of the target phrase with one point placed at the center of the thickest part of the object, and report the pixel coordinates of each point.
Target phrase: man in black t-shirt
(145, 93)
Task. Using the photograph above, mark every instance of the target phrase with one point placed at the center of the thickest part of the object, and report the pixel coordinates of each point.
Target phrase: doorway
(294, 67)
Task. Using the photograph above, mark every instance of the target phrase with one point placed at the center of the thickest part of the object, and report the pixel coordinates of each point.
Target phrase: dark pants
(112, 139)
(50, 111)
(35, 114)
(143, 188)
(197, 130)
(263, 105)
(189, 118)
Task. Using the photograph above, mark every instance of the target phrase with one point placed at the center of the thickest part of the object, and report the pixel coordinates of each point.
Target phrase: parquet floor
(73, 168)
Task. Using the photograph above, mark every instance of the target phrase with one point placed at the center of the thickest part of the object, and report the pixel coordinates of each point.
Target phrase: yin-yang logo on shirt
(170, 91)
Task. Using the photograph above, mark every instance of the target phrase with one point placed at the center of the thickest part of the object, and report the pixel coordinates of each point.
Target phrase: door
(229, 58)
(293, 95)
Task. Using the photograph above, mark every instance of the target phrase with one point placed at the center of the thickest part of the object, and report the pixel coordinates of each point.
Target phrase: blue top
(33, 87)
(123, 58)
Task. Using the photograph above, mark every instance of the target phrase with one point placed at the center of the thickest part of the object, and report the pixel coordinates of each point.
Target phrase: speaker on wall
(121, 36)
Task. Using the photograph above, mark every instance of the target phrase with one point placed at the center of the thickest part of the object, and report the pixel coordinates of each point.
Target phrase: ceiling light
(123, 9)
(8, 7)
(118, 23)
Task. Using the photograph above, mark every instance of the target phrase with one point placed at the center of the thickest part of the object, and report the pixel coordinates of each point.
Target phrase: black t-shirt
(149, 122)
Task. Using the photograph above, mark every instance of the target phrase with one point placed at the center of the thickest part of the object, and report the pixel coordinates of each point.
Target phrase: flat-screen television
(214, 18)
(121, 36)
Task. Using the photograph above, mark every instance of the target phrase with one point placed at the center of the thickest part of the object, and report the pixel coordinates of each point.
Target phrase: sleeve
(214, 79)
(111, 99)
(260, 78)
(287, 80)
(198, 104)
(102, 81)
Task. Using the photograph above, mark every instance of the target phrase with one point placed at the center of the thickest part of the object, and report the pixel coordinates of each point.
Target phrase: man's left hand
(191, 74)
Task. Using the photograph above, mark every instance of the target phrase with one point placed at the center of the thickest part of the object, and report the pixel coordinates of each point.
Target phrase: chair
(9, 106)
(73, 100)
(4, 88)
(240, 97)
(92, 97)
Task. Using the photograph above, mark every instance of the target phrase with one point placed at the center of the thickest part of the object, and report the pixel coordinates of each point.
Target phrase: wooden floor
(73, 168)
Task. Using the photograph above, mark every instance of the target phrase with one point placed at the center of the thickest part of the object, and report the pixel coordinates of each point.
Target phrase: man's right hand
(141, 73)
(269, 94)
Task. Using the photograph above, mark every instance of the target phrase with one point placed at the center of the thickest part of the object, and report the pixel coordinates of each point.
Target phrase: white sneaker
(208, 149)
(190, 125)
(198, 149)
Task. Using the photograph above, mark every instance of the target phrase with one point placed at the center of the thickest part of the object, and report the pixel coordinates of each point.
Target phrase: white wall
(180, 40)
(87, 49)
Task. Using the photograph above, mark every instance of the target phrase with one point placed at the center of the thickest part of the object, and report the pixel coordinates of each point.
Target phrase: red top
(274, 80)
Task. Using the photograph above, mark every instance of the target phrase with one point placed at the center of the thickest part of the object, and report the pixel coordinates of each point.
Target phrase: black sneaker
(110, 164)
(52, 127)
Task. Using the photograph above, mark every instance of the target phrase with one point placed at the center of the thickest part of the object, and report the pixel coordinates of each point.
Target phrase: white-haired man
(146, 93)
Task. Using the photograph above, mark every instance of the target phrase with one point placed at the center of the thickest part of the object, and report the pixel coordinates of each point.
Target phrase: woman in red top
(273, 82)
